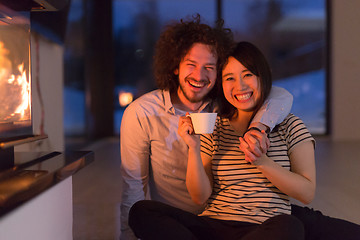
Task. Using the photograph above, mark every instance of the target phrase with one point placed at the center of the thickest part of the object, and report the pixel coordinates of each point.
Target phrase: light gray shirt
(154, 157)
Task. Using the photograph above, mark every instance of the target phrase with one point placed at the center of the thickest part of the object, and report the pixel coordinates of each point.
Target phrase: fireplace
(15, 83)
(26, 175)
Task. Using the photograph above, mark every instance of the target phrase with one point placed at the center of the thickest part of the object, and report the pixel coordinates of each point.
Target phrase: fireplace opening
(15, 81)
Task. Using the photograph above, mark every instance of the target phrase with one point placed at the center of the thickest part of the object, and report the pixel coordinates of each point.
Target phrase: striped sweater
(240, 191)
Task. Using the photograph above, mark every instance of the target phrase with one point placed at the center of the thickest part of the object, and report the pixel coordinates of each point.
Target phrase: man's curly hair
(176, 41)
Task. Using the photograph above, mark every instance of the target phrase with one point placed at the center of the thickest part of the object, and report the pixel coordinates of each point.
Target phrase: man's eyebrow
(189, 60)
(213, 64)
(192, 61)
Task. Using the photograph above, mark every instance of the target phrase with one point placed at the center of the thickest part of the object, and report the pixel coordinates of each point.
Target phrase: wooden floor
(97, 189)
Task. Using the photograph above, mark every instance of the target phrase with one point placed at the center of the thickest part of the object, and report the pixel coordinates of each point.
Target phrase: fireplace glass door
(15, 82)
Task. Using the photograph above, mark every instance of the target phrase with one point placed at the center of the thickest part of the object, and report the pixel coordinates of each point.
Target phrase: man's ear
(176, 71)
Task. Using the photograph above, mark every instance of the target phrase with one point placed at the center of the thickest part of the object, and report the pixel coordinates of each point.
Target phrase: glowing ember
(14, 90)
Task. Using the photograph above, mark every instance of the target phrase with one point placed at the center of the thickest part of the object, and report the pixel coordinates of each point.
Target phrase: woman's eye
(229, 79)
(248, 75)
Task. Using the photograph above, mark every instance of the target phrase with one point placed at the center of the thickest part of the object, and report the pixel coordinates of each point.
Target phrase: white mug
(203, 122)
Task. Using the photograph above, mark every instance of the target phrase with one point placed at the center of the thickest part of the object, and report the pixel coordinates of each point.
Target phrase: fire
(21, 81)
(15, 90)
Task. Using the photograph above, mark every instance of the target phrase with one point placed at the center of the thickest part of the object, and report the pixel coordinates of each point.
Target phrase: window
(292, 35)
(74, 80)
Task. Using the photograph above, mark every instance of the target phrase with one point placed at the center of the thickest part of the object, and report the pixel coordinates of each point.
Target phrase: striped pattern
(241, 192)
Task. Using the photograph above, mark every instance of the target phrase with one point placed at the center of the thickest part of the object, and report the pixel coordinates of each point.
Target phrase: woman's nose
(241, 84)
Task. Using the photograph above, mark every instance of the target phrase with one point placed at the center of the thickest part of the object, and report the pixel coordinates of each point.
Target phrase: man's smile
(197, 84)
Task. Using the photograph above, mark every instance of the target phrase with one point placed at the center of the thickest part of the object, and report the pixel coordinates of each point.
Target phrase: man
(188, 61)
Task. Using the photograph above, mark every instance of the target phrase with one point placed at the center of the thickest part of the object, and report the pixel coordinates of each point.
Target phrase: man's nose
(198, 73)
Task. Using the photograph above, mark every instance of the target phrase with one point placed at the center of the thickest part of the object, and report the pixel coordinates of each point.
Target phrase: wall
(50, 73)
(344, 72)
(48, 216)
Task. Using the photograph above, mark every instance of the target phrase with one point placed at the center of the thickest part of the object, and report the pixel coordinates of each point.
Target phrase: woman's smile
(244, 96)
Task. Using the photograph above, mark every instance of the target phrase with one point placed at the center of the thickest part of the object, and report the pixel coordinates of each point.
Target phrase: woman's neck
(240, 121)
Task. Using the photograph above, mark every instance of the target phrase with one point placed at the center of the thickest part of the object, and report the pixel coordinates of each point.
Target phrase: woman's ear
(176, 71)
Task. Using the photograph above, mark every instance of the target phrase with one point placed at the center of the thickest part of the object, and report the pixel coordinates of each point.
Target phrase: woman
(237, 190)
(246, 184)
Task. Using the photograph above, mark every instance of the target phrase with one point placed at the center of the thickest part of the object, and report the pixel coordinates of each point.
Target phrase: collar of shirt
(205, 107)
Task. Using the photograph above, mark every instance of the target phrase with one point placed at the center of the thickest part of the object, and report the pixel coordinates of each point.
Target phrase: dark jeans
(320, 227)
(155, 220)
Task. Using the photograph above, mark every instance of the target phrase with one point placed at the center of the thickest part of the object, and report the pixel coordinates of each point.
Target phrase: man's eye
(209, 68)
(229, 79)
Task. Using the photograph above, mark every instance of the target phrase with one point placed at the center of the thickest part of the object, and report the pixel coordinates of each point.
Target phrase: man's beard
(195, 98)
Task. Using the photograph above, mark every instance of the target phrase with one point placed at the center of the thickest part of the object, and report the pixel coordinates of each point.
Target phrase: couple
(188, 61)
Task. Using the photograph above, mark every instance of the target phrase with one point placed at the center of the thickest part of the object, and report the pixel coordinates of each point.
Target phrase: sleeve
(275, 108)
(135, 151)
(297, 132)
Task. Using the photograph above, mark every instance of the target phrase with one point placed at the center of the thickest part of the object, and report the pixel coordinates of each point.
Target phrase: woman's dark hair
(178, 38)
(253, 59)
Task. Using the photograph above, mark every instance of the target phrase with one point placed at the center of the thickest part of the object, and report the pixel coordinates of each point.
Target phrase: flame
(15, 88)
(5, 63)
(21, 81)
